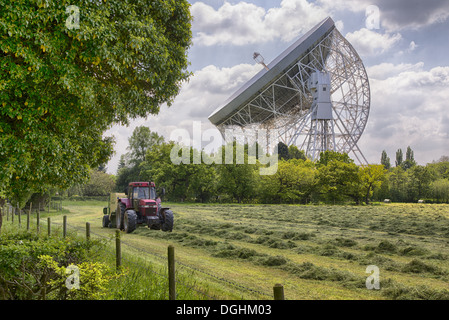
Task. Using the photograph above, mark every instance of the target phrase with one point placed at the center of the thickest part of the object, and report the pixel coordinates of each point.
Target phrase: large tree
(238, 180)
(371, 178)
(140, 142)
(337, 177)
(63, 83)
(293, 182)
(385, 160)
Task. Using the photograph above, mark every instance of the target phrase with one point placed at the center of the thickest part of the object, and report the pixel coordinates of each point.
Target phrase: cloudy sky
(407, 60)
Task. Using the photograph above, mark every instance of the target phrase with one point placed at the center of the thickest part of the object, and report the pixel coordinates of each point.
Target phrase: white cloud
(341, 5)
(369, 42)
(386, 70)
(412, 46)
(246, 23)
(408, 102)
(396, 15)
(407, 108)
(206, 90)
(339, 25)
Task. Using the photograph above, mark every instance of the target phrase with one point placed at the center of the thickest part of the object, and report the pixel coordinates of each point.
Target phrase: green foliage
(140, 142)
(61, 88)
(238, 180)
(334, 178)
(295, 153)
(24, 274)
(371, 178)
(283, 151)
(439, 190)
(93, 279)
(131, 167)
(338, 178)
(399, 158)
(293, 182)
(99, 184)
(328, 156)
(385, 160)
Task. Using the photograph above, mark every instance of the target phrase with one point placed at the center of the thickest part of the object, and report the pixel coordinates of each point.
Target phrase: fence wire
(163, 259)
(182, 264)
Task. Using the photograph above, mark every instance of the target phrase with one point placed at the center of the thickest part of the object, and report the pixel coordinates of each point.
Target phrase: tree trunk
(2, 203)
(367, 194)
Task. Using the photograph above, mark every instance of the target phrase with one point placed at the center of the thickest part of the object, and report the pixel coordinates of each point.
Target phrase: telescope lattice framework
(315, 95)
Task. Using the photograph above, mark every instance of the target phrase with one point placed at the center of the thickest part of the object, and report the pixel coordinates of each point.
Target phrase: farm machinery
(138, 206)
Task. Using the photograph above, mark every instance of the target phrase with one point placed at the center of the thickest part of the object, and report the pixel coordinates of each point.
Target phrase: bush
(23, 273)
(91, 284)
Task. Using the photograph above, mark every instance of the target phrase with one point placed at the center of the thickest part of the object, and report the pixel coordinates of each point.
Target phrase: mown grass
(315, 251)
(139, 278)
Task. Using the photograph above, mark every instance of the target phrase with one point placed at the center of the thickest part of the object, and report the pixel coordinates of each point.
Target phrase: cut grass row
(316, 251)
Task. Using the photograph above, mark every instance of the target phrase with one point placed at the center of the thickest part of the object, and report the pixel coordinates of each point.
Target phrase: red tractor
(141, 206)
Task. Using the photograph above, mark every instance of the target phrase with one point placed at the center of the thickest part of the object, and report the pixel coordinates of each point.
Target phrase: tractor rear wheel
(130, 221)
(119, 215)
(168, 221)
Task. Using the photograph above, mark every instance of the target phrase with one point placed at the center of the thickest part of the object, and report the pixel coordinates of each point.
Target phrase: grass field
(316, 252)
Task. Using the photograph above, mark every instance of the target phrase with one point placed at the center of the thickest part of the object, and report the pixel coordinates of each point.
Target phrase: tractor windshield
(144, 193)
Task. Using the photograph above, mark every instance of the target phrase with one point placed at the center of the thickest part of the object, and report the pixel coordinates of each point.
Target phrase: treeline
(335, 178)
(409, 182)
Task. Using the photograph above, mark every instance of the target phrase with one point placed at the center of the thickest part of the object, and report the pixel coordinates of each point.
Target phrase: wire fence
(181, 267)
(164, 259)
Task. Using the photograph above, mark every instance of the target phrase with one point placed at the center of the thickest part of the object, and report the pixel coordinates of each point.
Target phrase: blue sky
(406, 60)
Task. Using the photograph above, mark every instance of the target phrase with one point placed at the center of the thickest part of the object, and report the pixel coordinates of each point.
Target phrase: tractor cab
(142, 198)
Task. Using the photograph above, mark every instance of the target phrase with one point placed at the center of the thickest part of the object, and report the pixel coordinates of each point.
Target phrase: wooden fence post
(49, 226)
(171, 273)
(278, 291)
(28, 217)
(118, 251)
(64, 226)
(37, 221)
(87, 231)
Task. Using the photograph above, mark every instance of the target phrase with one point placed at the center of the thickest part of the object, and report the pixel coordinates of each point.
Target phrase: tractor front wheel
(105, 221)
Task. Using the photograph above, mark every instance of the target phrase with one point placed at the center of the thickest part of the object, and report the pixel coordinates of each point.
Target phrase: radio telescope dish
(315, 94)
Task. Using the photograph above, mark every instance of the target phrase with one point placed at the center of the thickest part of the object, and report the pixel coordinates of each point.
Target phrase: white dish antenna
(315, 94)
